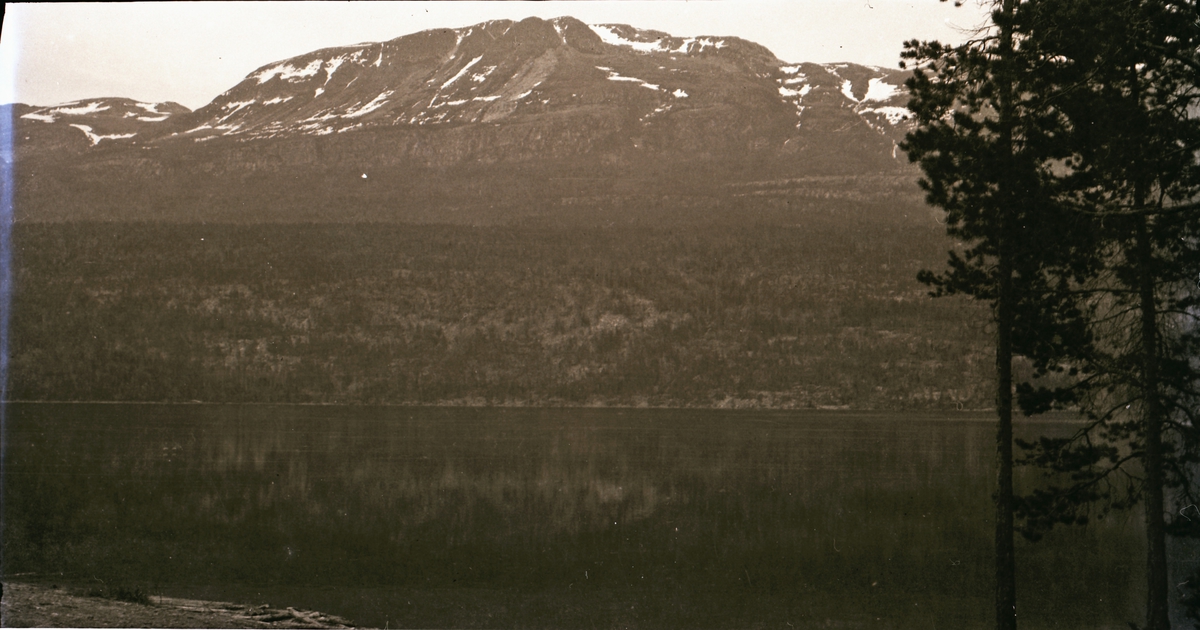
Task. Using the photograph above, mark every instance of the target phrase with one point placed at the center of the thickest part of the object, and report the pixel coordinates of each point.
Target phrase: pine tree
(1126, 90)
(986, 143)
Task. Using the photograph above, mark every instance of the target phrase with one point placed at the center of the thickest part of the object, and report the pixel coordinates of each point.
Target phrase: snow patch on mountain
(461, 72)
(848, 90)
(331, 66)
(233, 107)
(95, 138)
(560, 29)
(480, 77)
(616, 77)
(794, 95)
(877, 90)
(321, 117)
(288, 72)
(613, 75)
(894, 115)
(661, 109)
(117, 109)
(610, 36)
(788, 92)
(700, 42)
(375, 104)
(90, 108)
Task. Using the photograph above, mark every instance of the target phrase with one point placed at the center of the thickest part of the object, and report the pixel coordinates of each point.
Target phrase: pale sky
(190, 52)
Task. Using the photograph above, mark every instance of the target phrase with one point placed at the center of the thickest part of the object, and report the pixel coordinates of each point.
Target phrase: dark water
(547, 518)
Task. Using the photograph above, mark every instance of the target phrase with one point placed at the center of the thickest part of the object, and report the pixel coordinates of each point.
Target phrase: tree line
(1062, 144)
(813, 315)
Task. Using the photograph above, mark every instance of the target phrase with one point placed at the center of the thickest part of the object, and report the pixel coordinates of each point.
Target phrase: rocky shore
(35, 605)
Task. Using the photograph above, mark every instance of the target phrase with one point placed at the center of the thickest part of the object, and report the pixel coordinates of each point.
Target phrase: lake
(555, 518)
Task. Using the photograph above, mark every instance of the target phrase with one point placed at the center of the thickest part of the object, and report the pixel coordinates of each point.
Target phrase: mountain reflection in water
(441, 517)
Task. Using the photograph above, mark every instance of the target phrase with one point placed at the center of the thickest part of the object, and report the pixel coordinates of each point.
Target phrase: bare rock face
(495, 122)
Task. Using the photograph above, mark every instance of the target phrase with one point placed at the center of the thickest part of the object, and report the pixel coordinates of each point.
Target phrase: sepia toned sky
(190, 52)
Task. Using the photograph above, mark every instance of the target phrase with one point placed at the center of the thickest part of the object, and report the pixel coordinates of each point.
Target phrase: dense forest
(825, 312)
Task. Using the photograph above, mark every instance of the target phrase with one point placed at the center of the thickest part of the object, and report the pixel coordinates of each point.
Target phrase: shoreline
(466, 405)
(39, 605)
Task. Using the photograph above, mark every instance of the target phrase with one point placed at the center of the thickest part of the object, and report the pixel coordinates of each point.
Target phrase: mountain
(497, 122)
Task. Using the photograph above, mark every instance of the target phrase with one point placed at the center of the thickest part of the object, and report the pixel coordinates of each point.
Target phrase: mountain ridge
(487, 123)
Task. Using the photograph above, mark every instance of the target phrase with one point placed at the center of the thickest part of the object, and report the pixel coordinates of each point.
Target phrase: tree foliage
(1065, 158)
(986, 144)
(1125, 90)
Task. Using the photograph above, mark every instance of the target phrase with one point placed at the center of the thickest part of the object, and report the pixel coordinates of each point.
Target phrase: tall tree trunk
(1006, 583)
(1157, 616)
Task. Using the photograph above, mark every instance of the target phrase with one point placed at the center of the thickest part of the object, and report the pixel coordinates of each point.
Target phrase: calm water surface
(547, 518)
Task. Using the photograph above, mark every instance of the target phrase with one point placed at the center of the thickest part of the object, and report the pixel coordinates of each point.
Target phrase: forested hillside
(819, 314)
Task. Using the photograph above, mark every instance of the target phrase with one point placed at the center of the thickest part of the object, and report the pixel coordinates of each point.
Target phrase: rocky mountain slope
(497, 122)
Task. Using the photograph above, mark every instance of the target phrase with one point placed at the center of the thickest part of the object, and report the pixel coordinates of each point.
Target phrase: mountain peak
(537, 94)
(486, 73)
